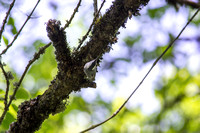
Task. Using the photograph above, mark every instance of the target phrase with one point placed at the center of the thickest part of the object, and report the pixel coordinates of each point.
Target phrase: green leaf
(22, 94)
(8, 119)
(15, 107)
(11, 22)
(5, 40)
(157, 12)
(2, 91)
(130, 41)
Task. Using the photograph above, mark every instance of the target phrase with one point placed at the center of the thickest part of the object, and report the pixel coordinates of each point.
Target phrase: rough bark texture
(70, 75)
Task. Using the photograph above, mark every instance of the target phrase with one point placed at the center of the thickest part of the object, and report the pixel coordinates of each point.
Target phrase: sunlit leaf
(8, 119)
(22, 94)
(157, 12)
(15, 107)
(5, 40)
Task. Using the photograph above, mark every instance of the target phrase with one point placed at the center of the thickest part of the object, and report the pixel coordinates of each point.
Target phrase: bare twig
(15, 37)
(7, 83)
(153, 65)
(96, 16)
(95, 7)
(184, 2)
(6, 17)
(189, 3)
(36, 56)
(71, 18)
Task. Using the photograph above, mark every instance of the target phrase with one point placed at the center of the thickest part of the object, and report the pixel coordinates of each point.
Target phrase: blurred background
(169, 99)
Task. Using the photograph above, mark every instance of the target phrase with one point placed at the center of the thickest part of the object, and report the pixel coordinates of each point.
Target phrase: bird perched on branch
(90, 69)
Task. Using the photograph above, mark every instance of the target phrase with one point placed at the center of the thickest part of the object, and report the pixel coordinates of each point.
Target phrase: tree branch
(70, 76)
(6, 75)
(6, 17)
(106, 29)
(90, 28)
(95, 7)
(72, 16)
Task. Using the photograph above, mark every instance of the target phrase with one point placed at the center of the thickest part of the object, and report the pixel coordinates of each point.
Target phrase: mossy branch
(70, 76)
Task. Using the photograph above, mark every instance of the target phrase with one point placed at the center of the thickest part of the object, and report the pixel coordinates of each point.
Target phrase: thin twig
(15, 37)
(7, 83)
(71, 18)
(95, 7)
(6, 17)
(155, 62)
(36, 56)
(189, 3)
(96, 16)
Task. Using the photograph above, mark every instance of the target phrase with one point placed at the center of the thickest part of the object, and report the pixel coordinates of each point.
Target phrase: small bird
(90, 69)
